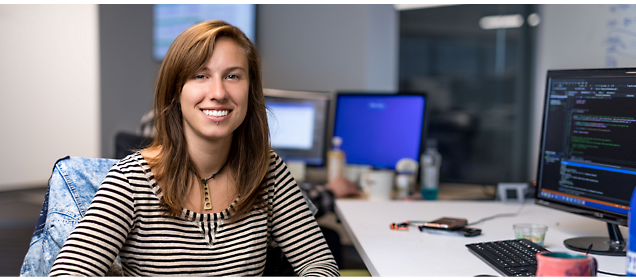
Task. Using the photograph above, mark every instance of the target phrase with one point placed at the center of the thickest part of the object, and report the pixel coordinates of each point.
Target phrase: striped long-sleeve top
(125, 219)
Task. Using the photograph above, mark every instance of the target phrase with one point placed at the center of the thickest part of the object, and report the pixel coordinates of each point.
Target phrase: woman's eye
(199, 77)
(232, 76)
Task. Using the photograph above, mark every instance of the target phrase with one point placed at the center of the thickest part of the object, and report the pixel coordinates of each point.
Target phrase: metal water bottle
(431, 161)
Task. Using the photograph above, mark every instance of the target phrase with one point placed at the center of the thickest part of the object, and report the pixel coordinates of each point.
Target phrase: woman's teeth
(216, 113)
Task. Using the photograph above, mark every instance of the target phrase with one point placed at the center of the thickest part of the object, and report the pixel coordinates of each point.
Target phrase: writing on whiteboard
(620, 45)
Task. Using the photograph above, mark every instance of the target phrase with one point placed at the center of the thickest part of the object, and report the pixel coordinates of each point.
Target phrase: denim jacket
(72, 186)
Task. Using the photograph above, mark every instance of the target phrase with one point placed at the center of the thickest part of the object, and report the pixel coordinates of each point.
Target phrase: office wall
(128, 70)
(329, 47)
(579, 36)
(49, 82)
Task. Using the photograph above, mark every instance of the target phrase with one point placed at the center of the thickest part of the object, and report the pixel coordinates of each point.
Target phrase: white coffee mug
(378, 184)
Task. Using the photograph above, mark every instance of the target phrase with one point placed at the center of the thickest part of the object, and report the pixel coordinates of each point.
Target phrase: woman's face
(214, 100)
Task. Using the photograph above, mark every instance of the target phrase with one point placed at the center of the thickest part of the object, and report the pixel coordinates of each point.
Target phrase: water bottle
(406, 172)
(431, 161)
(335, 160)
(631, 241)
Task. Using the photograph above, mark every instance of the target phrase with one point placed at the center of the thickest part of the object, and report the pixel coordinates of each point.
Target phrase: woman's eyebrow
(204, 69)
(229, 69)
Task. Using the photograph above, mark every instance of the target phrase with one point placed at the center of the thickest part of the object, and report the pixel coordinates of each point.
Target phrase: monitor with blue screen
(298, 124)
(380, 129)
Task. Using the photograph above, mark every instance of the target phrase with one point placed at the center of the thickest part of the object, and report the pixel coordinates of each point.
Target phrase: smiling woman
(217, 94)
(208, 196)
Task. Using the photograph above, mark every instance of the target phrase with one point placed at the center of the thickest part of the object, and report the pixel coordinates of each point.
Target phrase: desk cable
(405, 225)
(611, 274)
(499, 215)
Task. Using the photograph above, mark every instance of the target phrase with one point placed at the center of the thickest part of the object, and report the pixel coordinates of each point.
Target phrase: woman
(208, 195)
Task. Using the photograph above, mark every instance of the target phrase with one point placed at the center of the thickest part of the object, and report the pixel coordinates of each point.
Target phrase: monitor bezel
(594, 213)
(315, 95)
(424, 95)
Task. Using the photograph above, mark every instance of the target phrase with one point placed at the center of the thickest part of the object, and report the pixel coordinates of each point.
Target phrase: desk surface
(412, 253)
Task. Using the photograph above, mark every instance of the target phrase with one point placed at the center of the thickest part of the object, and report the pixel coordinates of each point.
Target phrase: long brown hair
(249, 153)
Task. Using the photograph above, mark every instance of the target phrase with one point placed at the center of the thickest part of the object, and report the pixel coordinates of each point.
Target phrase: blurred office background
(72, 76)
(75, 75)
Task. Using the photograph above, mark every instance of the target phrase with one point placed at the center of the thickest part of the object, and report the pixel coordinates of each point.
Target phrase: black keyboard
(516, 257)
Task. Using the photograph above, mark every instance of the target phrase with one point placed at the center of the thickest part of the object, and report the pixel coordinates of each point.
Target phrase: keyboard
(516, 257)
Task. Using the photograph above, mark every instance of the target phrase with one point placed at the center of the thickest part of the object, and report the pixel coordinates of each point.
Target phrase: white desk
(389, 252)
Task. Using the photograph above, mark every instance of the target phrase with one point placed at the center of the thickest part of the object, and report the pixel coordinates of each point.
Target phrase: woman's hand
(342, 187)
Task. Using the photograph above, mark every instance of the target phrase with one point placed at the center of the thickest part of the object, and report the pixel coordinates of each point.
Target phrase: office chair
(71, 189)
(127, 142)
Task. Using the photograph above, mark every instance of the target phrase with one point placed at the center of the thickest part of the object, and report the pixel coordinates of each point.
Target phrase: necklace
(207, 203)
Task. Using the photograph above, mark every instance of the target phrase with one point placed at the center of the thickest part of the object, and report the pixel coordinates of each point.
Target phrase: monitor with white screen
(298, 124)
(587, 158)
(379, 129)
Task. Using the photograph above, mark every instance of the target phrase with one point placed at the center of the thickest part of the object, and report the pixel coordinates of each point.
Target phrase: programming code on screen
(593, 145)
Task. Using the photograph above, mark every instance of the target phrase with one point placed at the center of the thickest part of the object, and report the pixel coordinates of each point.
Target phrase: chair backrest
(71, 189)
(126, 143)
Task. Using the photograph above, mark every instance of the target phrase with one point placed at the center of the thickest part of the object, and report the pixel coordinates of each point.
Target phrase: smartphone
(446, 223)
(463, 231)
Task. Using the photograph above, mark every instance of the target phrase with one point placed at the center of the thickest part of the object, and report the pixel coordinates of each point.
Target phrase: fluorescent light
(501, 21)
(402, 7)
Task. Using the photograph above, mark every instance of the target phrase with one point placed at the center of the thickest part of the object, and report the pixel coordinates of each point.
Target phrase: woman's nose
(217, 91)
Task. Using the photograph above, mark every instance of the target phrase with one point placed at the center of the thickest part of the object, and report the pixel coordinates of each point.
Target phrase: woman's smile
(217, 115)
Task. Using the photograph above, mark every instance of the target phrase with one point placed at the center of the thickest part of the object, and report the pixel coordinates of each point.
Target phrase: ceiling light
(501, 21)
(534, 19)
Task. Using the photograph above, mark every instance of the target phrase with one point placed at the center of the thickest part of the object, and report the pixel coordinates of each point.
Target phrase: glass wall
(475, 64)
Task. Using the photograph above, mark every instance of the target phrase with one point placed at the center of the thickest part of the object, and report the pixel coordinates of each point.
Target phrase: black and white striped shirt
(125, 219)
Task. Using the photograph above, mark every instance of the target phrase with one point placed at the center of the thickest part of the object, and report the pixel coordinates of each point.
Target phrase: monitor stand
(615, 245)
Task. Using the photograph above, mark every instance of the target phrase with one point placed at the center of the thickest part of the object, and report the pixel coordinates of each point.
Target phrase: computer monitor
(298, 124)
(380, 129)
(587, 160)
(169, 20)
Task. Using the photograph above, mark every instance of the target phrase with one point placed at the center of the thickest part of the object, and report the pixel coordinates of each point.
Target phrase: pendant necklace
(207, 203)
